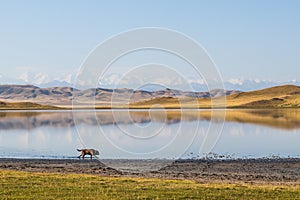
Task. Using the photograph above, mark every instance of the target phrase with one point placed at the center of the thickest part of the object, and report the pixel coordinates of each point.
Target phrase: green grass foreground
(26, 185)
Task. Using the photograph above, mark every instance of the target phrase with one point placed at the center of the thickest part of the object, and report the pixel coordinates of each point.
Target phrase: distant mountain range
(284, 96)
(63, 96)
(43, 81)
(234, 84)
(246, 85)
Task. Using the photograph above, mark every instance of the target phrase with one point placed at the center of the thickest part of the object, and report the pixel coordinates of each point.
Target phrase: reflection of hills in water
(280, 118)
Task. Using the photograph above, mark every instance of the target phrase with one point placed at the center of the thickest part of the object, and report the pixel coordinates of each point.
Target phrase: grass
(286, 96)
(26, 185)
(26, 106)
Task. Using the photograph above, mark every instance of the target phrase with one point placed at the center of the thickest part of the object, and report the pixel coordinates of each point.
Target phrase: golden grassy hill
(275, 97)
(286, 96)
(25, 106)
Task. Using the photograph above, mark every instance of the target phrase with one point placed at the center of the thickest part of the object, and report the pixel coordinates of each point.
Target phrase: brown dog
(91, 152)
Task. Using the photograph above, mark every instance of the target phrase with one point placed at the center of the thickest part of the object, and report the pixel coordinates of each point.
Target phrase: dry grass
(25, 106)
(287, 96)
(25, 185)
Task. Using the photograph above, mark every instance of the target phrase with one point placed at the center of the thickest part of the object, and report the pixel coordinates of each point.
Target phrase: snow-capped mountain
(39, 79)
(44, 80)
(246, 85)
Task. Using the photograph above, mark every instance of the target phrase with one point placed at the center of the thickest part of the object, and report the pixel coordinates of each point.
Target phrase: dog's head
(96, 152)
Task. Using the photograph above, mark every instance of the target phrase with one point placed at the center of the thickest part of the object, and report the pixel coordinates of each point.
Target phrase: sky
(246, 39)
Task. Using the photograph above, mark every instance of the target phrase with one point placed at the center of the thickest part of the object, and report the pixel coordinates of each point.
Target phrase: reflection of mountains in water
(280, 118)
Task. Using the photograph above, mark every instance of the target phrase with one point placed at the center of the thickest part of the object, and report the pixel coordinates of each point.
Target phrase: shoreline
(60, 108)
(254, 171)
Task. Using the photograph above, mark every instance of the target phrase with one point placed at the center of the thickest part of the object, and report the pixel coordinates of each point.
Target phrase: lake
(151, 134)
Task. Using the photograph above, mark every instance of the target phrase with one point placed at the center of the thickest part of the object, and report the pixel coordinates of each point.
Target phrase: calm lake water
(143, 134)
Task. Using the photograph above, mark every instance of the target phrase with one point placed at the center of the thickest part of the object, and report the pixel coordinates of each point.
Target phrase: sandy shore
(281, 171)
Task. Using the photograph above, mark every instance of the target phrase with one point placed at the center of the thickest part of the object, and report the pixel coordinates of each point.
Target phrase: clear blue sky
(248, 39)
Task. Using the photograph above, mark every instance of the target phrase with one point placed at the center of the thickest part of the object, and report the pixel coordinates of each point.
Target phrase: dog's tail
(78, 149)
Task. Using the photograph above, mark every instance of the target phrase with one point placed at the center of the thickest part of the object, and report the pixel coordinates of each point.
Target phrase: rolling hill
(63, 96)
(280, 96)
(26, 106)
(286, 96)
